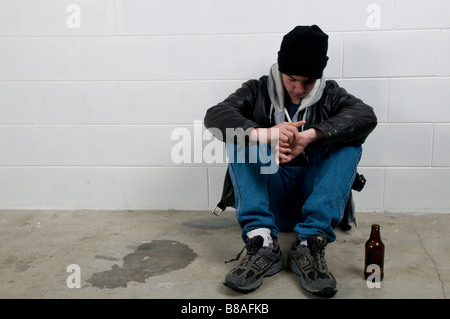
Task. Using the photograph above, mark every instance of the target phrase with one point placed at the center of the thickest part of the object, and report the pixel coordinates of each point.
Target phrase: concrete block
(21, 188)
(417, 190)
(159, 58)
(444, 60)
(69, 18)
(415, 15)
(16, 103)
(39, 145)
(13, 18)
(216, 176)
(36, 59)
(158, 17)
(166, 188)
(334, 65)
(119, 58)
(385, 54)
(371, 92)
(398, 145)
(162, 102)
(252, 16)
(441, 145)
(83, 188)
(77, 103)
(207, 57)
(372, 195)
(347, 15)
(217, 91)
(419, 100)
(264, 53)
(121, 145)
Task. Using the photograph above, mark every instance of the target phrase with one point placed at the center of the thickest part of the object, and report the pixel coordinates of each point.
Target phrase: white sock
(264, 233)
(305, 242)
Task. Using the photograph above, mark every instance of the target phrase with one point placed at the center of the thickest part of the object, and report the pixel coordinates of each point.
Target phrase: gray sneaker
(309, 263)
(259, 262)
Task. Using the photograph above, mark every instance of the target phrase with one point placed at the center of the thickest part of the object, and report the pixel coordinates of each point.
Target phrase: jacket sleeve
(349, 121)
(234, 115)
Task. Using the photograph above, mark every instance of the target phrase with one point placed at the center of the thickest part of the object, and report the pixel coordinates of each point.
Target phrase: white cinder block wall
(98, 96)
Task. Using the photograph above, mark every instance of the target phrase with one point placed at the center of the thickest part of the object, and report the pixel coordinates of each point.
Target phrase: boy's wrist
(312, 135)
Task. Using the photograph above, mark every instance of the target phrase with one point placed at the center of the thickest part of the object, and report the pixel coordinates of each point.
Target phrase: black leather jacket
(343, 118)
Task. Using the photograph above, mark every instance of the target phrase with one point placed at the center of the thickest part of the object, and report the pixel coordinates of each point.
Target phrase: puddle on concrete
(149, 259)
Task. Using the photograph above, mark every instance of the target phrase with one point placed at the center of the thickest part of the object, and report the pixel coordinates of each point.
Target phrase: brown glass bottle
(374, 252)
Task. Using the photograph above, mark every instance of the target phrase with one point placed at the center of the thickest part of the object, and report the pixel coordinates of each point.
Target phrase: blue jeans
(309, 200)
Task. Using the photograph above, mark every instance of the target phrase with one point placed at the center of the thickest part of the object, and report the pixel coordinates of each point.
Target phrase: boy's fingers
(299, 123)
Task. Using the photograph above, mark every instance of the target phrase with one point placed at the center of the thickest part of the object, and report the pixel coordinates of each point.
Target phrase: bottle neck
(375, 232)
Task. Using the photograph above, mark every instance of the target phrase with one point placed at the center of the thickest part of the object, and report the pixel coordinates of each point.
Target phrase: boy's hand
(284, 133)
(295, 147)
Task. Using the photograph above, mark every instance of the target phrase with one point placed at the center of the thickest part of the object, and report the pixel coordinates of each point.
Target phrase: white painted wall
(92, 90)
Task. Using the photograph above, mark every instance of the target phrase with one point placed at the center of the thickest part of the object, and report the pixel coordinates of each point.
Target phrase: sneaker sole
(325, 292)
(247, 289)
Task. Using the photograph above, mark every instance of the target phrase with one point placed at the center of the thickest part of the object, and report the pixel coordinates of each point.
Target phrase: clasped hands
(289, 141)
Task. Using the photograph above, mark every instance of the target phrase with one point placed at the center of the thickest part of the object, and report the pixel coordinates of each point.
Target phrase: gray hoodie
(276, 94)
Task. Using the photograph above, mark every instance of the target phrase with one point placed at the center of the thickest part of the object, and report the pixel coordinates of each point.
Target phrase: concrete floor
(181, 254)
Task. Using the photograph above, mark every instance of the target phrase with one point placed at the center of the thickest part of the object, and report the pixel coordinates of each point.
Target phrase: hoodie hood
(277, 96)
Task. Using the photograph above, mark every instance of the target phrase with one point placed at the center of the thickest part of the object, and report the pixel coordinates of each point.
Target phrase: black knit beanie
(303, 52)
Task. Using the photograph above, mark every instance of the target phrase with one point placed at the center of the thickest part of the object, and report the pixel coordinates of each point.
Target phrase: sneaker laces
(319, 263)
(317, 249)
(253, 246)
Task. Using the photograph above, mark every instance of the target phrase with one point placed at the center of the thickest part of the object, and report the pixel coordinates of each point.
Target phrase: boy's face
(297, 86)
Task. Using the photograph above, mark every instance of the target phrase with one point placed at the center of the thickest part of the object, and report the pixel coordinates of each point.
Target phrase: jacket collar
(277, 97)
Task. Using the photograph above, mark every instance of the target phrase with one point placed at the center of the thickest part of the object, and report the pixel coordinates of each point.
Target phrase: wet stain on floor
(149, 259)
